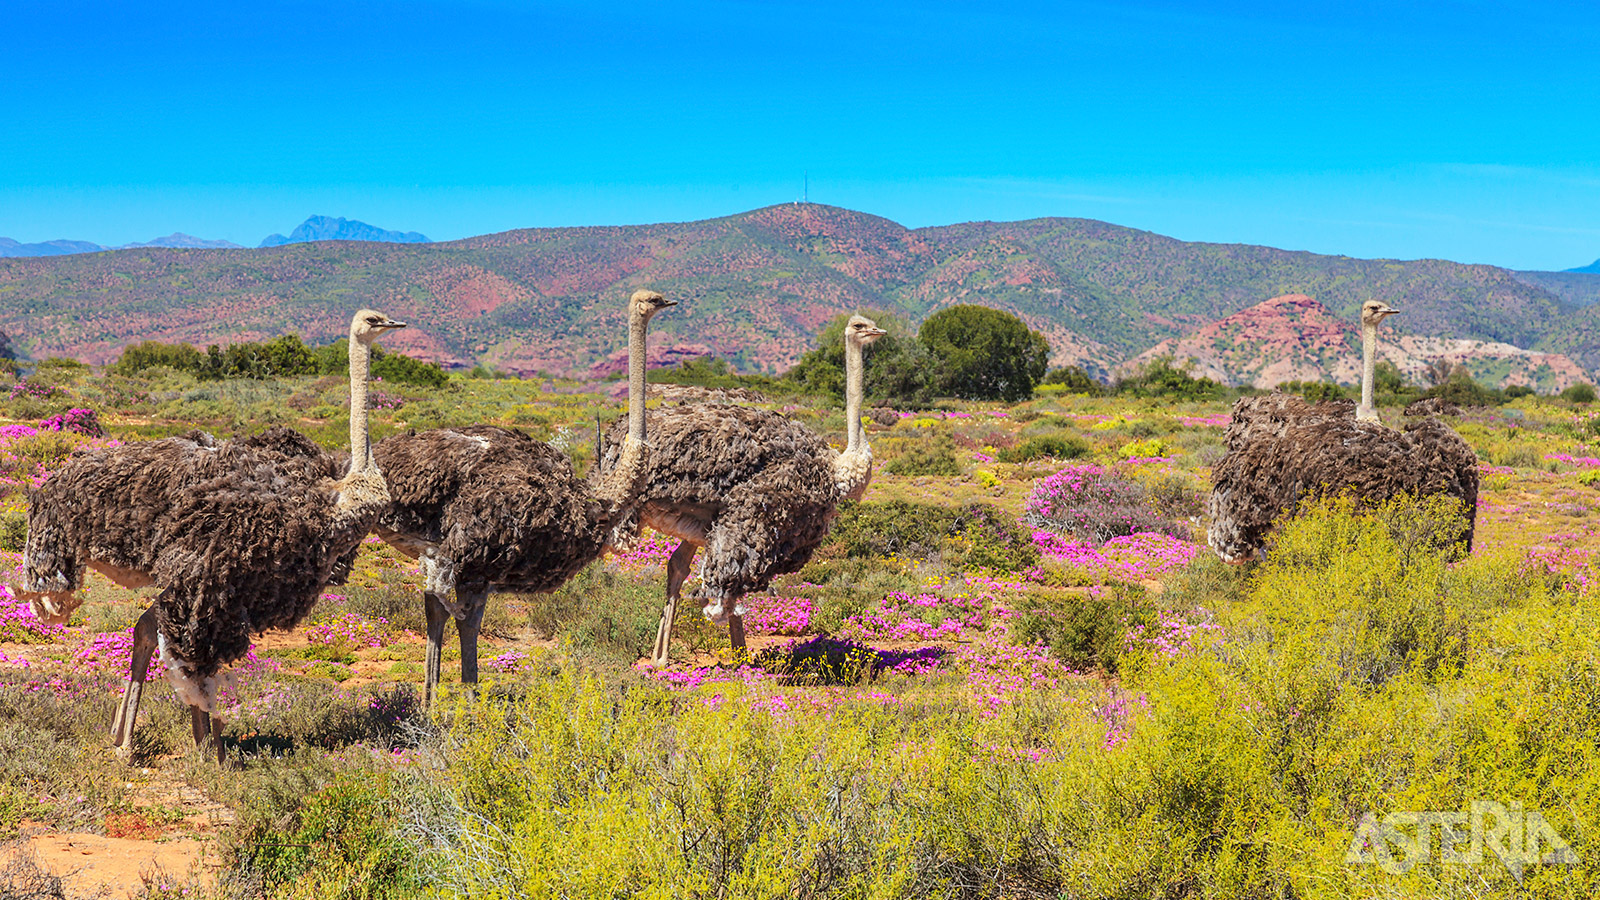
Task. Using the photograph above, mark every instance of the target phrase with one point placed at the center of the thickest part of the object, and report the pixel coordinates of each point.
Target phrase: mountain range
(1591, 267)
(314, 228)
(9, 247)
(757, 286)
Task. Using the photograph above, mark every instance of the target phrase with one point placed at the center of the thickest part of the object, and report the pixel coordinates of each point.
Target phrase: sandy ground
(95, 866)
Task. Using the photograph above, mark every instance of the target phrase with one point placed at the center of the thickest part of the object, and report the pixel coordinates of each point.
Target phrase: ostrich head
(368, 325)
(862, 331)
(1375, 311)
(645, 304)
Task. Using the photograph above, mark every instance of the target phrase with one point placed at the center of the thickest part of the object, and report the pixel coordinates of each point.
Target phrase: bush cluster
(284, 356)
(978, 534)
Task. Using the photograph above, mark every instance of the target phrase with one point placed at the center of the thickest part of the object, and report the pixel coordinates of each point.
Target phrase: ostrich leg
(475, 599)
(216, 738)
(736, 630)
(200, 725)
(144, 646)
(437, 616)
(207, 727)
(677, 572)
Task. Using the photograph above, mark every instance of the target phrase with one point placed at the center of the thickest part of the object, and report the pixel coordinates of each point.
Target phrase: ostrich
(491, 509)
(1281, 448)
(239, 536)
(754, 488)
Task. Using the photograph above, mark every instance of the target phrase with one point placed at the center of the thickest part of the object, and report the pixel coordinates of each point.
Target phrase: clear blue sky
(1468, 131)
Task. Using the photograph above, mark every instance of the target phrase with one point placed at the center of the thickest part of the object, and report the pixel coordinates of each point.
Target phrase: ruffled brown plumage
(505, 509)
(1282, 450)
(233, 533)
(761, 482)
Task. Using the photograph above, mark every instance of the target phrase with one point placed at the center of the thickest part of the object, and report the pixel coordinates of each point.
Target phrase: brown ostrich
(754, 488)
(1281, 449)
(491, 509)
(239, 536)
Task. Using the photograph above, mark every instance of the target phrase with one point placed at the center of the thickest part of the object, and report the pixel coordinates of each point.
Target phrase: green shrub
(1085, 628)
(931, 455)
(1389, 615)
(1161, 378)
(979, 534)
(334, 359)
(711, 372)
(147, 355)
(341, 844)
(1579, 393)
(624, 626)
(1074, 380)
(13, 530)
(1046, 446)
(1462, 390)
(1317, 391)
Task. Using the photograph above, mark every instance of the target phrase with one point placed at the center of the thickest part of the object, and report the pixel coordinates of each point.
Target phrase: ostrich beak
(878, 332)
(1389, 311)
(666, 303)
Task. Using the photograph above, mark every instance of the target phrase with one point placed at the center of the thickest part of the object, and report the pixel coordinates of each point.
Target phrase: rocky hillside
(755, 289)
(1295, 338)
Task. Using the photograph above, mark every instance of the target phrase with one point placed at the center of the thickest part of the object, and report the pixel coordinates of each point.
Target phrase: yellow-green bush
(1358, 673)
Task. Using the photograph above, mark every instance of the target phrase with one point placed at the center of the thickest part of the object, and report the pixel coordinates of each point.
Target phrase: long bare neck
(637, 352)
(1369, 370)
(854, 376)
(360, 437)
(620, 485)
(852, 469)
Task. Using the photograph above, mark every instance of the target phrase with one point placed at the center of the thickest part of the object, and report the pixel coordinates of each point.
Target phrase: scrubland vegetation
(1013, 671)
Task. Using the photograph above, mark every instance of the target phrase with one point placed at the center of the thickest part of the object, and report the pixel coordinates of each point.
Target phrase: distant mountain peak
(187, 241)
(1591, 267)
(327, 228)
(59, 247)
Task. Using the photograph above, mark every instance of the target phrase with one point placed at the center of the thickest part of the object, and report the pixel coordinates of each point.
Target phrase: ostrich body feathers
(488, 507)
(240, 536)
(1281, 449)
(756, 488)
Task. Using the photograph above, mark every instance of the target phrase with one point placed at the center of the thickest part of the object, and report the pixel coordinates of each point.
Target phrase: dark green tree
(979, 353)
(895, 373)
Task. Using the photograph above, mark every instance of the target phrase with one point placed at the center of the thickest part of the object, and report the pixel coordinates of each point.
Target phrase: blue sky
(1468, 131)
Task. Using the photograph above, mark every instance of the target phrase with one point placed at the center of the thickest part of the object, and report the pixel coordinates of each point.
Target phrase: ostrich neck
(1369, 367)
(620, 485)
(636, 387)
(360, 439)
(853, 388)
(852, 469)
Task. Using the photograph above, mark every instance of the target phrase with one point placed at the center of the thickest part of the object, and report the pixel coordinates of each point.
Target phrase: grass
(1041, 729)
